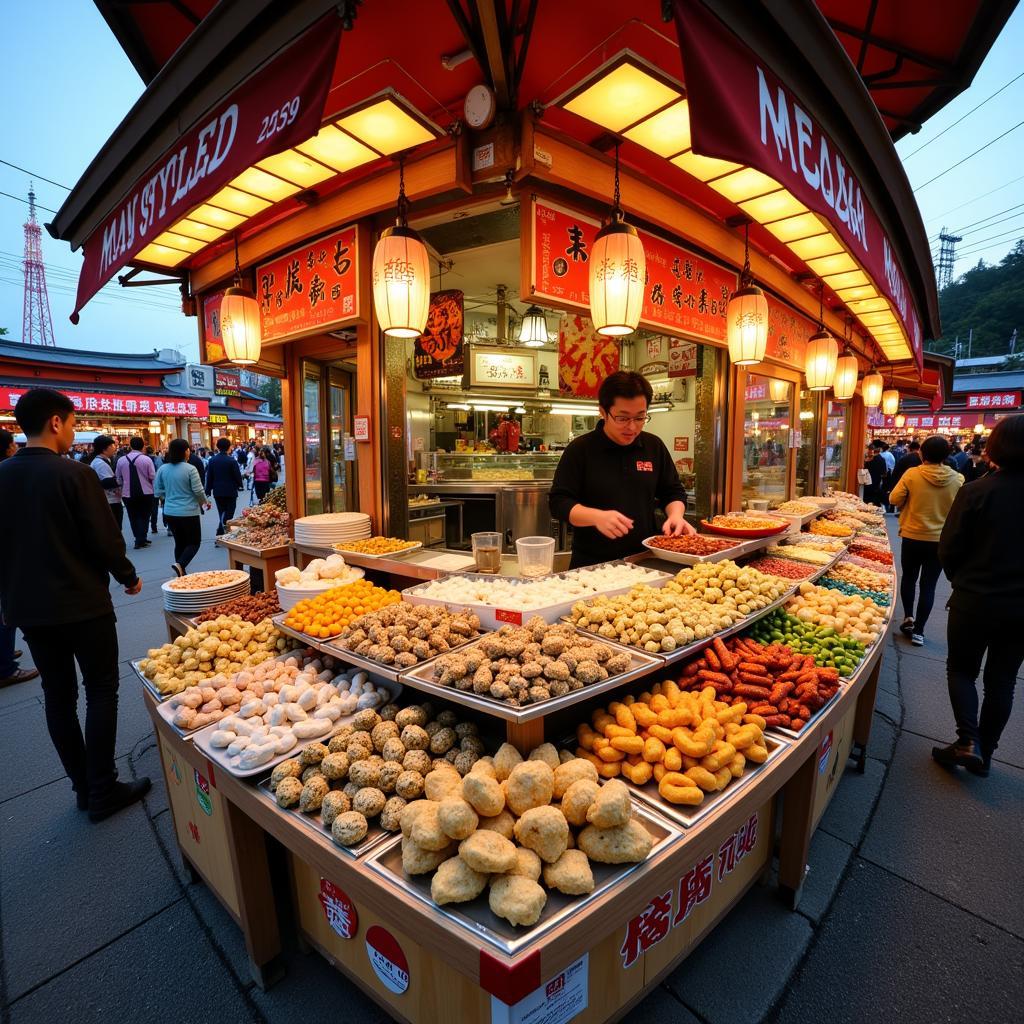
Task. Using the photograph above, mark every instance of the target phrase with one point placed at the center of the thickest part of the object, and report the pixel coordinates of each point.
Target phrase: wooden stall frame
(263, 561)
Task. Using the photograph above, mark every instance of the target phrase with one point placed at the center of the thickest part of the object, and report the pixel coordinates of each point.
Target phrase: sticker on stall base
(203, 793)
(558, 1000)
(339, 910)
(826, 749)
(387, 959)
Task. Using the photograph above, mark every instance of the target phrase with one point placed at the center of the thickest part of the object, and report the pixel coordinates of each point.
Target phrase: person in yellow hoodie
(923, 497)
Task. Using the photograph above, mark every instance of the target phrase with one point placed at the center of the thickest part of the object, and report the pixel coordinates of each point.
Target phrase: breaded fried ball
(570, 874)
(484, 793)
(334, 803)
(518, 899)
(530, 784)
(572, 771)
(456, 882)
(391, 816)
(485, 851)
(547, 753)
(441, 782)
(612, 806)
(623, 844)
(528, 864)
(505, 760)
(289, 790)
(349, 828)
(578, 799)
(504, 824)
(545, 831)
(458, 819)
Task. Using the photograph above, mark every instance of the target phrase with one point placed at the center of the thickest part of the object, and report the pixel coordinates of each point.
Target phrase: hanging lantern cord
(238, 270)
(617, 197)
(821, 307)
(403, 202)
(746, 279)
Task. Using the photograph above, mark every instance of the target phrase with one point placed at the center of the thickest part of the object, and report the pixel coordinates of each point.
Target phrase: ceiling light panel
(335, 148)
(266, 186)
(744, 184)
(816, 247)
(839, 263)
(194, 229)
(665, 133)
(704, 168)
(296, 167)
(243, 203)
(385, 127)
(623, 96)
(161, 255)
(805, 225)
(774, 206)
(216, 217)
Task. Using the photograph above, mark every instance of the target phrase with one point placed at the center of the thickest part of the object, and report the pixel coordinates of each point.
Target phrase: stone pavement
(913, 908)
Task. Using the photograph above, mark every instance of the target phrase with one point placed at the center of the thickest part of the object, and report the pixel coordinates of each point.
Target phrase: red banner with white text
(92, 402)
(279, 106)
(741, 111)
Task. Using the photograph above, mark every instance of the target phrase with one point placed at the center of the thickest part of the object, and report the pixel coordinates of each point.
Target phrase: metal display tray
(689, 816)
(791, 734)
(484, 926)
(420, 678)
(741, 548)
(375, 834)
(493, 616)
(147, 684)
(413, 546)
(219, 755)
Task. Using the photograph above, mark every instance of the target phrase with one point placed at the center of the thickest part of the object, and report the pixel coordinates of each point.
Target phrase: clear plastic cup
(487, 552)
(536, 555)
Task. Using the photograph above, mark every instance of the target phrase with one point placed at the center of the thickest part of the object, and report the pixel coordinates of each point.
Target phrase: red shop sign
(310, 288)
(684, 293)
(788, 334)
(213, 342)
(276, 108)
(742, 112)
(994, 400)
(118, 405)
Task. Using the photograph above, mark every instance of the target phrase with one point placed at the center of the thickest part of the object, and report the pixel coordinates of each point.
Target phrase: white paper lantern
(533, 331)
(901, 421)
(746, 319)
(401, 282)
(618, 269)
(240, 326)
(778, 390)
(844, 384)
(871, 389)
(822, 355)
(890, 402)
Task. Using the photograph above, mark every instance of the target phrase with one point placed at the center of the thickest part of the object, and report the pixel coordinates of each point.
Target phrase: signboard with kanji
(788, 333)
(92, 403)
(499, 368)
(682, 358)
(310, 289)
(213, 351)
(684, 293)
(585, 357)
(994, 400)
(437, 352)
(227, 383)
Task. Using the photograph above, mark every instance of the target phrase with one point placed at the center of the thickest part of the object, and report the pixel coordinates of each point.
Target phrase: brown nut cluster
(251, 608)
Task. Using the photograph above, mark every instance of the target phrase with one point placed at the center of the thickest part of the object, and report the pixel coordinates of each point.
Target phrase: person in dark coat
(876, 466)
(58, 550)
(981, 552)
(908, 461)
(223, 482)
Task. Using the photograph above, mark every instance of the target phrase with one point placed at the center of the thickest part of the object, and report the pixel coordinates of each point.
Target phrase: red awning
(913, 55)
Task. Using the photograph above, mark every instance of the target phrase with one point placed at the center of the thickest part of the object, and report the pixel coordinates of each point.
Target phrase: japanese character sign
(585, 357)
(438, 351)
(309, 289)
(339, 910)
(683, 292)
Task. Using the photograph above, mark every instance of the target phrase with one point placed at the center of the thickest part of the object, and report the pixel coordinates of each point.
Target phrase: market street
(912, 901)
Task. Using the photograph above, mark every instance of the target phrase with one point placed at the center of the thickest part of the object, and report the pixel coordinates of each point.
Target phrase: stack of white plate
(289, 597)
(332, 528)
(191, 602)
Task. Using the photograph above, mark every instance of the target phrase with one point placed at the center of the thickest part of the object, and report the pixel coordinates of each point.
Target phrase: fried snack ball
(389, 773)
(548, 753)
(485, 851)
(289, 790)
(312, 754)
(442, 741)
(394, 748)
(458, 819)
(484, 793)
(364, 773)
(335, 766)
(349, 828)
(570, 874)
(504, 824)
(339, 741)
(415, 738)
(572, 771)
(441, 782)
(505, 760)
(313, 793)
(285, 770)
(334, 803)
(389, 712)
(623, 844)
(409, 785)
(426, 830)
(381, 733)
(612, 806)
(312, 772)
(408, 815)
(485, 766)
(417, 761)
(417, 861)
(412, 715)
(369, 802)
(528, 864)
(578, 799)
(545, 831)
(530, 784)
(456, 882)
(366, 720)
(391, 816)
(518, 899)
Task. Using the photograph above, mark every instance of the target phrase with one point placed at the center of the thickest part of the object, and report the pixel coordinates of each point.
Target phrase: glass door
(311, 446)
(340, 411)
(767, 456)
(835, 446)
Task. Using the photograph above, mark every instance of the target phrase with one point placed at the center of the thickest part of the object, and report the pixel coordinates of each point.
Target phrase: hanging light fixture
(890, 399)
(618, 270)
(822, 354)
(401, 274)
(871, 389)
(240, 328)
(901, 421)
(533, 331)
(746, 316)
(778, 390)
(844, 384)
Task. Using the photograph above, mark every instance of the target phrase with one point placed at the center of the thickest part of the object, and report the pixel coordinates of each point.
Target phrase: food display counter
(658, 880)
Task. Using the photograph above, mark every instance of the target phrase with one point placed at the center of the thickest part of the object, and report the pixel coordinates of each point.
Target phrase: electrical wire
(38, 177)
(39, 206)
(965, 116)
(967, 227)
(969, 156)
(984, 195)
(1006, 242)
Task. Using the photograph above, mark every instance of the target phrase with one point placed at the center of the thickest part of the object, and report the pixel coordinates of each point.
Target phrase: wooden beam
(492, 27)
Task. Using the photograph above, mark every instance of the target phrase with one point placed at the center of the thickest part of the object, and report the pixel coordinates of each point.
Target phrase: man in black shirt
(223, 482)
(56, 555)
(609, 481)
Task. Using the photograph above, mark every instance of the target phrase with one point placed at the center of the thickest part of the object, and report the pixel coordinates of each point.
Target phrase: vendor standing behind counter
(608, 481)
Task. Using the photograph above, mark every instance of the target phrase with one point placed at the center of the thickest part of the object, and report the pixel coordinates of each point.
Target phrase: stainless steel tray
(476, 917)
(420, 678)
(783, 731)
(374, 835)
(148, 685)
(689, 816)
(741, 548)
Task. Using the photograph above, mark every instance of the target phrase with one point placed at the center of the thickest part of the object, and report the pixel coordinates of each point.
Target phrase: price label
(504, 615)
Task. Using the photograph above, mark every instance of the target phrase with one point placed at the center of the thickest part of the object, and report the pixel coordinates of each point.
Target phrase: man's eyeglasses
(624, 421)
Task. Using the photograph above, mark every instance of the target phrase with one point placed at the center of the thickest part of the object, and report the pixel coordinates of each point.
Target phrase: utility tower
(36, 325)
(947, 257)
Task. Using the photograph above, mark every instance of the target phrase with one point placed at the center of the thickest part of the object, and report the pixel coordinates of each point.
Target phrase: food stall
(645, 868)
(574, 193)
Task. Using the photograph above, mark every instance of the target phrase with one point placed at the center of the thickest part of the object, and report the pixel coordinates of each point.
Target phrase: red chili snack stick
(714, 662)
(715, 677)
(782, 720)
(748, 690)
(724, 655)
